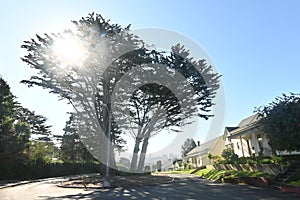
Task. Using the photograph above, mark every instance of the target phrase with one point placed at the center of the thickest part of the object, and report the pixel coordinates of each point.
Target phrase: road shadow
(187, 188)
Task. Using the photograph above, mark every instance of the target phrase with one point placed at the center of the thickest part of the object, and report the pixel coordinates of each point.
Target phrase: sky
(254, 44)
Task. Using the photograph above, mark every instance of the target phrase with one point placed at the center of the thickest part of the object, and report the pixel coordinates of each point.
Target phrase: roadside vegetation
(228, 157)
(295, 183)
(218, 175)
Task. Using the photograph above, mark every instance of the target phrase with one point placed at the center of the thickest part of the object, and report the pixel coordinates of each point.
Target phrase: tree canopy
(280, 120)
(187, 146)
(108, 77)
(72, 149)
(14, 134)
(19, 127)
(164, 94)
(86, 83)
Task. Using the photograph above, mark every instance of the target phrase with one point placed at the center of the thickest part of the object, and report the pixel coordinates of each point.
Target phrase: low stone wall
(267, 168)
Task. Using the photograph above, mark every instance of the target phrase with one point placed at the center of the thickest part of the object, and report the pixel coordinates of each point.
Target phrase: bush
(24, 171)
(277, 159)
(189, 166)
(266, 161)
(251, 162)
(229, 155)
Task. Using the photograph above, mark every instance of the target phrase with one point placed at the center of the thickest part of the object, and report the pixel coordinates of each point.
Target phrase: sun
(69, 50)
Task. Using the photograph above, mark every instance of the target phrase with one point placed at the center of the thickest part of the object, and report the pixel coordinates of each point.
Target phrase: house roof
(249, 120)
(203, 148)
(229, 129)
(246, 124)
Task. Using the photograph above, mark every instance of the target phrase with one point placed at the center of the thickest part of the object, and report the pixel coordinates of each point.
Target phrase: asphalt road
(184, 187)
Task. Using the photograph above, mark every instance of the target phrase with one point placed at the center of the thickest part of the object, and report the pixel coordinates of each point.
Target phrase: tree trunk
(141, 164)
(105, 142)
(135, 154)
(147, 135)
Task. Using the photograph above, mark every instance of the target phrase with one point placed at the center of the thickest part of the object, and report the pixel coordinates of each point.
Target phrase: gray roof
(246, 124)
(203, 148)
(248, 121)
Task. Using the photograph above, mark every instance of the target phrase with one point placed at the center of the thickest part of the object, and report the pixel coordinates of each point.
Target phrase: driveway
(184, 187)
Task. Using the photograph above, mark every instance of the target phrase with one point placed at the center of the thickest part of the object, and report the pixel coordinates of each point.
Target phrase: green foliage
(39, 130)
(277, 159)
(187, 146)
(280, 119)
(18, 126)
(85, 86)
(214, 159)
(14, 134)
(94, 85)
(24, 171)
(295, 183)
(217, 175)
(229, 155)
(72, 149)
(188, 166)
(185, 171)
(40, 152)
(266, 161)
(251, 162)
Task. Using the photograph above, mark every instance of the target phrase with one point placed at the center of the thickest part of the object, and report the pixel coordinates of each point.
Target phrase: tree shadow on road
(193, 188)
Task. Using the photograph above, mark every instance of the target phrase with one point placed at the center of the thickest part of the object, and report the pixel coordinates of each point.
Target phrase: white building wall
(240, 146)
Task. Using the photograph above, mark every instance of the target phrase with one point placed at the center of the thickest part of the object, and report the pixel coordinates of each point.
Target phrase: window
(238, 145)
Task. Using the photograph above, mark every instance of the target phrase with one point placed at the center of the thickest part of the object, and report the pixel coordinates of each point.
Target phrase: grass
(186, 171)
(295, 183)
(219, 174)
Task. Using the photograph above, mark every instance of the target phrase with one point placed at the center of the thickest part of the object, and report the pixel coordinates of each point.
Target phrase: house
(247, 139)
(198, 156)
(178, 164)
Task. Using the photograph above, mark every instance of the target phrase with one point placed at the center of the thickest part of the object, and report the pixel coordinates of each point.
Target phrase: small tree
(40, 152)
(229, 155)
(280, 120)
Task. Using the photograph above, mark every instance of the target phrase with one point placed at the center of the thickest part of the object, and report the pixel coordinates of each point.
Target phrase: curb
(18, 183)
(289, 188)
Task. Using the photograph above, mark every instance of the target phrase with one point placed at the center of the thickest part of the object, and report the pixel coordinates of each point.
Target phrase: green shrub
(229, 155)
(34, 170)
(277, 159)
(266, 161)
(251, 162)
(189, 166)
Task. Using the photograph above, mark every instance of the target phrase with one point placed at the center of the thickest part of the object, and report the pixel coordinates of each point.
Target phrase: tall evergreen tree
(14, 134)
(187, 146)
(171, 103)
(110, 53)
(86, 84)
(72, 148)
(18, 126)
(40, 131)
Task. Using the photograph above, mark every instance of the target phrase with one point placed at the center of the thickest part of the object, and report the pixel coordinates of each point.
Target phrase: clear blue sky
(255, 45)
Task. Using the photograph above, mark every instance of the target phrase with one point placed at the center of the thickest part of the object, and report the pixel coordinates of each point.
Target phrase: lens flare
(69, 50)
